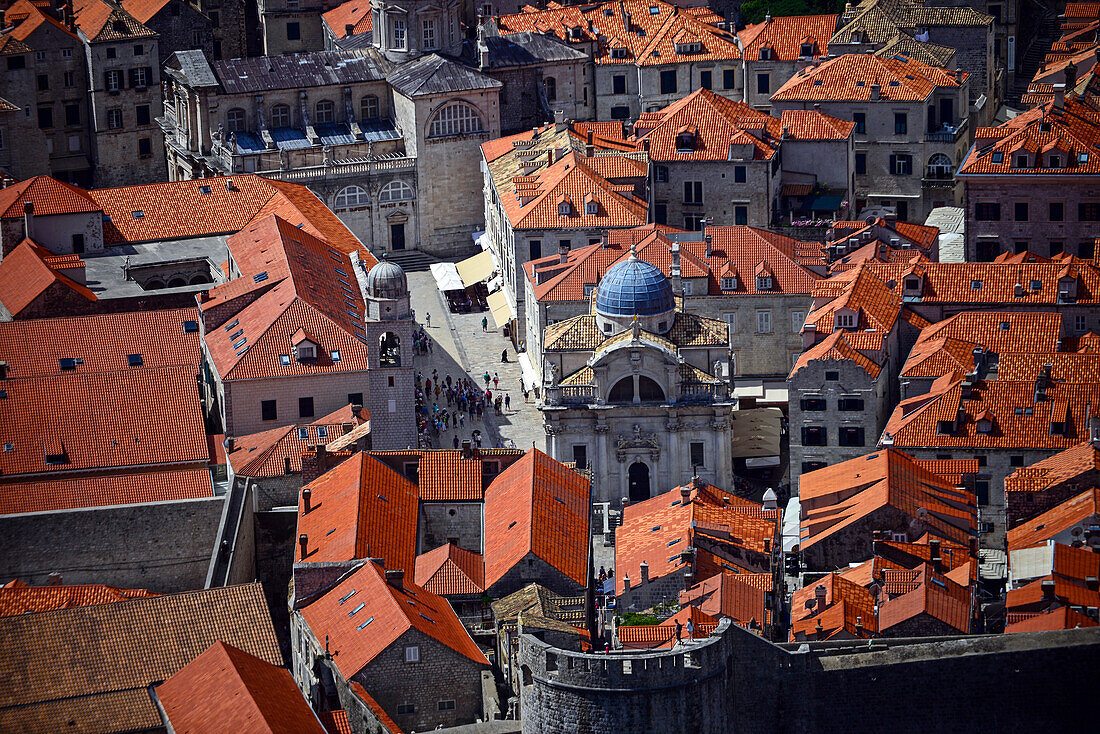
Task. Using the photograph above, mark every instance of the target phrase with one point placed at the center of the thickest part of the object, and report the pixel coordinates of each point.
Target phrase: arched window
(280, 115)
(389, 350)
(351, 197)
(368, 107)
(154, 284)
(940, 166)
(649, 391)
(326, 111)
(622, 392)
(456, 118)
(177, 282)
(396, 191)
(234, 120)
(550, 87)
(200, 279)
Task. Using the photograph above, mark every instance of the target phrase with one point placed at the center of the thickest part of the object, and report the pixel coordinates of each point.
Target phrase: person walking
(507, 402)
(504, 356)
(455, 442)
(428, 319)
(496, 381)
(484, 323)
(679, 632)
(691, 629)
(486, 378)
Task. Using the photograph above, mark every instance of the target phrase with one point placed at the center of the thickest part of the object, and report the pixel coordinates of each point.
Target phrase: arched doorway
(637, 479)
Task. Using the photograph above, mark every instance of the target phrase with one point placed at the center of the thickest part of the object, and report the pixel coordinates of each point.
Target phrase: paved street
(461, 347)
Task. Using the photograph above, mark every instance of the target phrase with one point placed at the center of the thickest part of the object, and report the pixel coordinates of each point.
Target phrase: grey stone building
(234, 25)
(179, 25)
(911, 126)
(1033, 183)
(354, 128)
(778, 48)
(637, 391)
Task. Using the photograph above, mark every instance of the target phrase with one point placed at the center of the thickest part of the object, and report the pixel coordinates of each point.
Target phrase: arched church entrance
(637, 478)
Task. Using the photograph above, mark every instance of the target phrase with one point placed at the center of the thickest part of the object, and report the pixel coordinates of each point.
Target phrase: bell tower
(389, 330)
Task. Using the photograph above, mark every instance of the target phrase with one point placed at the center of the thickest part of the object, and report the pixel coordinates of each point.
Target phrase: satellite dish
(1076, 532)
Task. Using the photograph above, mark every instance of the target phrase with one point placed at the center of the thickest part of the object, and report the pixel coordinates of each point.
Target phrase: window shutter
(893, 163)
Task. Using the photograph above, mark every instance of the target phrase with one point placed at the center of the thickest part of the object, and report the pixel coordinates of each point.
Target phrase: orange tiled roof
(659, 530)
(841, 494)
(1062, 618)
(103, 343)
(360, 509)
(837, 347)
(451, 571)
(852, 76)
(717, 124)
(265, 454)
(230, 690)
(1063, 466)
(103, 21)
(932, 594)
(445, 476)
(49, 197)
(814, 125)
(849, 609)
(538, 506)
(136, 418)
(51, 495)
(144, 10)
(785, 36)
(1071, 132)
(363, 615)
(33, 17)
(663, 635)
(1038, 530)
(25, 274)
(336, 722)
(729, 594)
(17, 597)
(113, 653)
(657, 31)
(355, 13)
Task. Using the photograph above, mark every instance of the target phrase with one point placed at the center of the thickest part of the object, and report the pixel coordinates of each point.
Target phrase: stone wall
(722, 195)
(329, 391)
(161, 546)
(442, 522)
(1024, 505)
(532, 569)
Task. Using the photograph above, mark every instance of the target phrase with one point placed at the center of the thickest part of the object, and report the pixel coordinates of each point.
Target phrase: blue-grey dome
(634, 287)
(387, 280)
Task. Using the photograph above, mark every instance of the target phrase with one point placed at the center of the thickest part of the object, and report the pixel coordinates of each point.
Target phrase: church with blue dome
(633, 390)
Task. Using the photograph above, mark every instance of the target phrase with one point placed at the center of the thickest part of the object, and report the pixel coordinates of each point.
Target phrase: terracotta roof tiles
(1038, 530)
(716, 125)
(17, 597)
(1070, 132)
(451, 571)
(49, 197)
(355, 13)
(1061, 467)
(786, 35)
(849, 609)
(25, 275)
(1061, 618)
(851, 77)
(53, 494)
(445, 476)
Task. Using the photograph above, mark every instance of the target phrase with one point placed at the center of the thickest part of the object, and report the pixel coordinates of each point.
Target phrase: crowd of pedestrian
(444, 405)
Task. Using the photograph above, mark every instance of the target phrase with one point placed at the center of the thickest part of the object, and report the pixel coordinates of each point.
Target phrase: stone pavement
(461, 347)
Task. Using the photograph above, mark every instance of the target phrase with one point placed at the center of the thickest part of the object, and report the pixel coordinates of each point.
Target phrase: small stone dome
(387, 280)
(634, 288)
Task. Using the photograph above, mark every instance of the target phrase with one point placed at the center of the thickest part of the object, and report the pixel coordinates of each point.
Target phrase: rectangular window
(355, 398)
(861, 164)
(72, 114)
(1088, 211)
(141, 77)
(620, 112)
(114, 119)
(901, 164)
(113, 80)
(145, 146)
(618, 84)
(729, 78)
(660, 174)
(660, 213)
(697, 457)
(1016, 461)
(1020, 211)
(70, 79)
(1080, 323)
(535, 249)
(809, 466)
(693, 222)
(17, 62)
(45, 117)
(901, 123)
(832, 376)
(763, 322)
(812, 404)
(860, 119)
(1057, 211)
(268, 410)
(987, 211)
(142, 114)
(412, 654)
(668, 81)
(740, 215)
(447, 705)
(580, 456)
(740, 174)
(851, 436)
(428, 27)
(78, 243)
(850, 404)
(705, 80)
(404, 709)
(43, 82)
(798, 319)
(305, 407)
(693, 192)
(813, 436)
(293, 31)
(981, 489)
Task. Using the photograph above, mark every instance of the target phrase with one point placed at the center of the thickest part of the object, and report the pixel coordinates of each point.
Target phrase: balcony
(948, 134)
(931, 181)
(702, 392)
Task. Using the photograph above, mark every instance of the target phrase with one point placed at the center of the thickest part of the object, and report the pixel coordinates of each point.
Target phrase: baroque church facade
(632, 390)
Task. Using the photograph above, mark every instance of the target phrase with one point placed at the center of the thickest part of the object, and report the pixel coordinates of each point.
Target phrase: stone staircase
(412, 261)
(1045, 35)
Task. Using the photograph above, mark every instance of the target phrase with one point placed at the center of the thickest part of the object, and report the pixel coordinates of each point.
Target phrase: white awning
(756, 433)
(446, 277)
(502, 310)
(476, 269)
(531, 378)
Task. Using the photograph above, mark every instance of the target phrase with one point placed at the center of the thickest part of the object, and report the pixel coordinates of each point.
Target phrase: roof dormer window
(998, 157)
(565, 206)
(1021, 161)
(591, 206)
(765, 53)
(806, 49)
(1054, 161)
(306, 351)
(764, 283)
(845, 320)
(984, 426)
(729, 283)
(689, 47)
(911, 285)
(685, 139)
(619, 52)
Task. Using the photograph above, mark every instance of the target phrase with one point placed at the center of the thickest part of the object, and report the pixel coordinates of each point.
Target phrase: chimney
(934, 553)
(3, 370)
(809, 335)
(286, 465)
(643, 571)
(54, 579)
(876, 91)
(626, 582)
(1091, 583)
(306, 494)
(859, 626)
(1048, 589)
(590, 147)
(550, 157)
(685, 494)
(303, 543)
(1094, 431)
(786, 132)
(1059, 95)
(395, 577)
(819, 598)
(467, 449)
(28, 220)
(1071, 76)
(563, 254)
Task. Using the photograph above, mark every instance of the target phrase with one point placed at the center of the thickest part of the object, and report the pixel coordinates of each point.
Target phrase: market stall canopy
(446, 277)
(756, 432)
(498, 304)
(476, 269)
